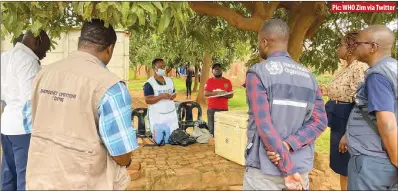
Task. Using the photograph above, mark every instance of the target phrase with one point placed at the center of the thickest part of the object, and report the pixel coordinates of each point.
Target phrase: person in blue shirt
(372, 126)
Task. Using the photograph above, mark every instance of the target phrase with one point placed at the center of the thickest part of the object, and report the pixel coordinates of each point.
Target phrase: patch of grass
(137, 85)
(179, 84)
(238, 102)
(322, 144)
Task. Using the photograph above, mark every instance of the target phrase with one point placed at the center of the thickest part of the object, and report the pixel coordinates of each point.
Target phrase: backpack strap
(370, 123)
(368, 120)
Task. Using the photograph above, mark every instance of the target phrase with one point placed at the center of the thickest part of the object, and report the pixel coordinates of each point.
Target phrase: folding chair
(184, 113)
(140, 113)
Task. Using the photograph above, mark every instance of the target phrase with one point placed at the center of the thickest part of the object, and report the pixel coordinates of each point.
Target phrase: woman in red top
(218, 90)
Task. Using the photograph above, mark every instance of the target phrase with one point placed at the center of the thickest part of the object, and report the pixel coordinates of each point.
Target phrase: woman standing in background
(341, 93)
(188, 81)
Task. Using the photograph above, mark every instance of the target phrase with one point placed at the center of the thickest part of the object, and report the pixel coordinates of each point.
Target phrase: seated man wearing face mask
(159, 94)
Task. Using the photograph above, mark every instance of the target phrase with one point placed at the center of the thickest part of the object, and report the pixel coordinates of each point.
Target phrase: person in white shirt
(159, 92)
(19, 67)
(5, 55)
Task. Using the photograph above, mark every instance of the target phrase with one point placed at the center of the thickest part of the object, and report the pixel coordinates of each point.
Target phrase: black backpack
(180, 137)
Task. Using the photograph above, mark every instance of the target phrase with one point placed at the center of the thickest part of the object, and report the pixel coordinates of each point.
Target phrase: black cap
(216, 64)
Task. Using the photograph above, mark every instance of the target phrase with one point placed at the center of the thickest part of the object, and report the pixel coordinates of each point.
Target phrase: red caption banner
(363, 7)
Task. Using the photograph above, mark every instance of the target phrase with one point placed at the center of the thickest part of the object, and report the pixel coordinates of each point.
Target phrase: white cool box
(230, 135)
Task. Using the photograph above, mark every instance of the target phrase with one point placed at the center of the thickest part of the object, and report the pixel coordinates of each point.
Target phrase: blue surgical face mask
(161, 72)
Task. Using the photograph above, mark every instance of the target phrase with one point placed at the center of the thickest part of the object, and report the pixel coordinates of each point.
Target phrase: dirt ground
(198, 167)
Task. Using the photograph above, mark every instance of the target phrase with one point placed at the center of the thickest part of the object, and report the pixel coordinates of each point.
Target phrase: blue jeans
(161, 133)
(14, 160)
(371, 173)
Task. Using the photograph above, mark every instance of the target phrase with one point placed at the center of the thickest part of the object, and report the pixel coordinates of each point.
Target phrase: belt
(340, 102)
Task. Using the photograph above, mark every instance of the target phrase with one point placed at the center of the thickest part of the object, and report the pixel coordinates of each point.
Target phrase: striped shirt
(115, 122)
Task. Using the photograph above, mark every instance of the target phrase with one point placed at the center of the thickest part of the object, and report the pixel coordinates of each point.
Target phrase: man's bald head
(374, 43)
(274, 35)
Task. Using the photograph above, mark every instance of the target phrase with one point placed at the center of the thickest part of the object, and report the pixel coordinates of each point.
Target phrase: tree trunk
(135, 75)
(203, 78)
(303, 21)
(195, 84)
(148, 72)
(168, 70)
(136, 69)
(304, 18)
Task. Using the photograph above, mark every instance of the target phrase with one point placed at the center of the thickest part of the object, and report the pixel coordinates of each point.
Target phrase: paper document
(221, 95)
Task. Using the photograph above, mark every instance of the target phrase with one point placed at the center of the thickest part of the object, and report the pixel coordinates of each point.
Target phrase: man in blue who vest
(286, 115)
(372, 126)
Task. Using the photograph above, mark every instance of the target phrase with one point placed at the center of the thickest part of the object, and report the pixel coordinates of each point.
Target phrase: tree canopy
(204, 34)
(58, 16)
(315, 32)
(199, 32)
(321, 52)
(314, 35)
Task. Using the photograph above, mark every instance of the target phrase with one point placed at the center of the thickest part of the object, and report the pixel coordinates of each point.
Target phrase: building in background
(67, 44)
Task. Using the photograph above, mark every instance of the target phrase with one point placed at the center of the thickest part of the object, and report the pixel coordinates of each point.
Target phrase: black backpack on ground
(180, 137)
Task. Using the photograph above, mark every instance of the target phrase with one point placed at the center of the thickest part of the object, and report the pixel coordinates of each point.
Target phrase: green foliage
(215, 36)
(159, 29)
(188, 46)
(142, 48)
(321, 52)
(324, 79)
(58, 17)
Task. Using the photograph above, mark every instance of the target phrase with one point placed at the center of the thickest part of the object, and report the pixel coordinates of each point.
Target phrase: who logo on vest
(274, 68)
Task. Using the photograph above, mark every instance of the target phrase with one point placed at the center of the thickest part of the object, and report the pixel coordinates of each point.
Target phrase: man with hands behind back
(297, 118)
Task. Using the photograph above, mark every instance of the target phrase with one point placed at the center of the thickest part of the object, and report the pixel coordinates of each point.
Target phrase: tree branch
(288, 5)
(321, 11)
(314, 26)
(270, 9)
(259, 9)
(250, 6)
(232, 17)
(294, 14)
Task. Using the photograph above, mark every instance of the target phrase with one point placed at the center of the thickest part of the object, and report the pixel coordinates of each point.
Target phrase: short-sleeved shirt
(148, 89)
(380, 93)
(218, 102)
(114, 120)
(345, 82)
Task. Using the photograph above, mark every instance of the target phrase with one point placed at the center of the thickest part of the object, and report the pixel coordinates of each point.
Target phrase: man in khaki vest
(82, 136)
